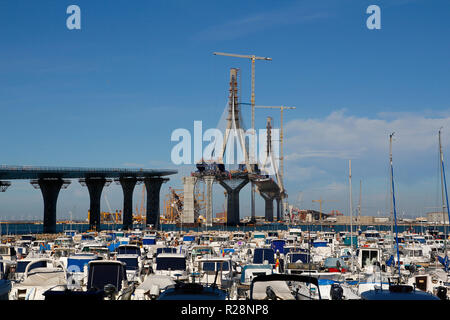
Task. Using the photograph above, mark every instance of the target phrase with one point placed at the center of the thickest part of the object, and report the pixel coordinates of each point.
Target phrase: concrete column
(268, 198)
(188, 216)
(95, 187)
(209, 180)
(233, 214)
(128, 184)
(153, 186)
(269, 209)
(279, 211)
(50, 189)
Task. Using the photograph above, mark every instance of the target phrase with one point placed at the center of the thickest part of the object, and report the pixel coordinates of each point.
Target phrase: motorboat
(398, 292)
(106, 281)
(152, 287)
(217, 270)
(110, 277)
(172, 265)
(37, 279)
(77, 268)
(193, 291)
(285, 287)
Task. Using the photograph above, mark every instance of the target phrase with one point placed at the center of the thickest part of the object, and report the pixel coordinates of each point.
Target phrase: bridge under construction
(50, 180)
(213, 170)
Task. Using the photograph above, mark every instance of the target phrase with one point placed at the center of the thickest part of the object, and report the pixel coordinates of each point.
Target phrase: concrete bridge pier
(209, 180)
(128, 184)
(233, 217)
(188, 216)
(279, 209)
(95, 187)
(50, 188)
(153, 187)
(268, 207)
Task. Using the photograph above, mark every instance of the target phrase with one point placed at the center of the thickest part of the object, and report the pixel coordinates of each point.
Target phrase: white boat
(217, 270)
(37, 280)
(172, 265)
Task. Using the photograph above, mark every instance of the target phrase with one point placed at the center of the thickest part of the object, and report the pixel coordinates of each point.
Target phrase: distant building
(381, 220)
(437, 217)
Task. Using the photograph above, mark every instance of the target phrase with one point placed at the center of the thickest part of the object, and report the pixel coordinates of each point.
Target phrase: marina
(293, 263)
(205, 152)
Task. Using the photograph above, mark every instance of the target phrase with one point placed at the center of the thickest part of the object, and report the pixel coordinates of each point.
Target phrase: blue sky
(110, 94)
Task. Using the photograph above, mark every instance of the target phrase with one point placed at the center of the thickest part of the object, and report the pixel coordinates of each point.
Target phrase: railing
(80, 169)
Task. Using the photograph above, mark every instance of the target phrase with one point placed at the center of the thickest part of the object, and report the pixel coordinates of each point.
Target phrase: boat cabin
(106, 272)
(368, 256)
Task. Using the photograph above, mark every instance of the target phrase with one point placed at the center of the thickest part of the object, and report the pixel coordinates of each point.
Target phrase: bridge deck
(31, 172)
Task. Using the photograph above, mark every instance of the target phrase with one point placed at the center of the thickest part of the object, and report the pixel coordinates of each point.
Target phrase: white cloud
(262, 20)
(317, 152)
(345, 137)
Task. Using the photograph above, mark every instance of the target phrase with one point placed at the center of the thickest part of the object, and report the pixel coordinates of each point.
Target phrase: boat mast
(393, 203)
(351, 209)
(391, 178)
(359, 205)
(443, 185)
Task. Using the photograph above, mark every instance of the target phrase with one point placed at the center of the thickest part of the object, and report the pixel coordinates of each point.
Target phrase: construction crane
(253, 58)
(140, 215)
(282, 108)
(320, 206)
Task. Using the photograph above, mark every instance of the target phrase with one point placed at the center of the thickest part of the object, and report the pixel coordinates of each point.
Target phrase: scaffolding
(174, 204)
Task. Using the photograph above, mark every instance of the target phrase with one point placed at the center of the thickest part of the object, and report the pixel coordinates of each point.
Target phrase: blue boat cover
(262, 254)
(148, 240)
(317, 244)
(278, 244)
(444, 262)
(77, 263)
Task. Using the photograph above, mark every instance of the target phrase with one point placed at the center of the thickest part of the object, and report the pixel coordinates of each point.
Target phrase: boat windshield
(131, 263)
(22, 265)
(128, 250)
(214, 266)
(262, 254)
(4, 250)
(103, 274)
(299, 257)
(166, 250)
(171, 263)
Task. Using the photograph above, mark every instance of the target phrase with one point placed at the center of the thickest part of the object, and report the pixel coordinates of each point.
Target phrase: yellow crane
(320, 206)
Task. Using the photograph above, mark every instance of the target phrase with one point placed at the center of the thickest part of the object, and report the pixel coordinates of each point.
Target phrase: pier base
(128, 184)
(95, 187)
(209, 180)
(153, 187)
(279, 209)
(50, 188)
(268, 209)
(233, 215)
(188, 216)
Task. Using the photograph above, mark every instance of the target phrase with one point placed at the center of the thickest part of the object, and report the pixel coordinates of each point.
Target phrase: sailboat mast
(393, 203)
(391, 178)
(359, 205)
(351, 207)
(443, 184)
